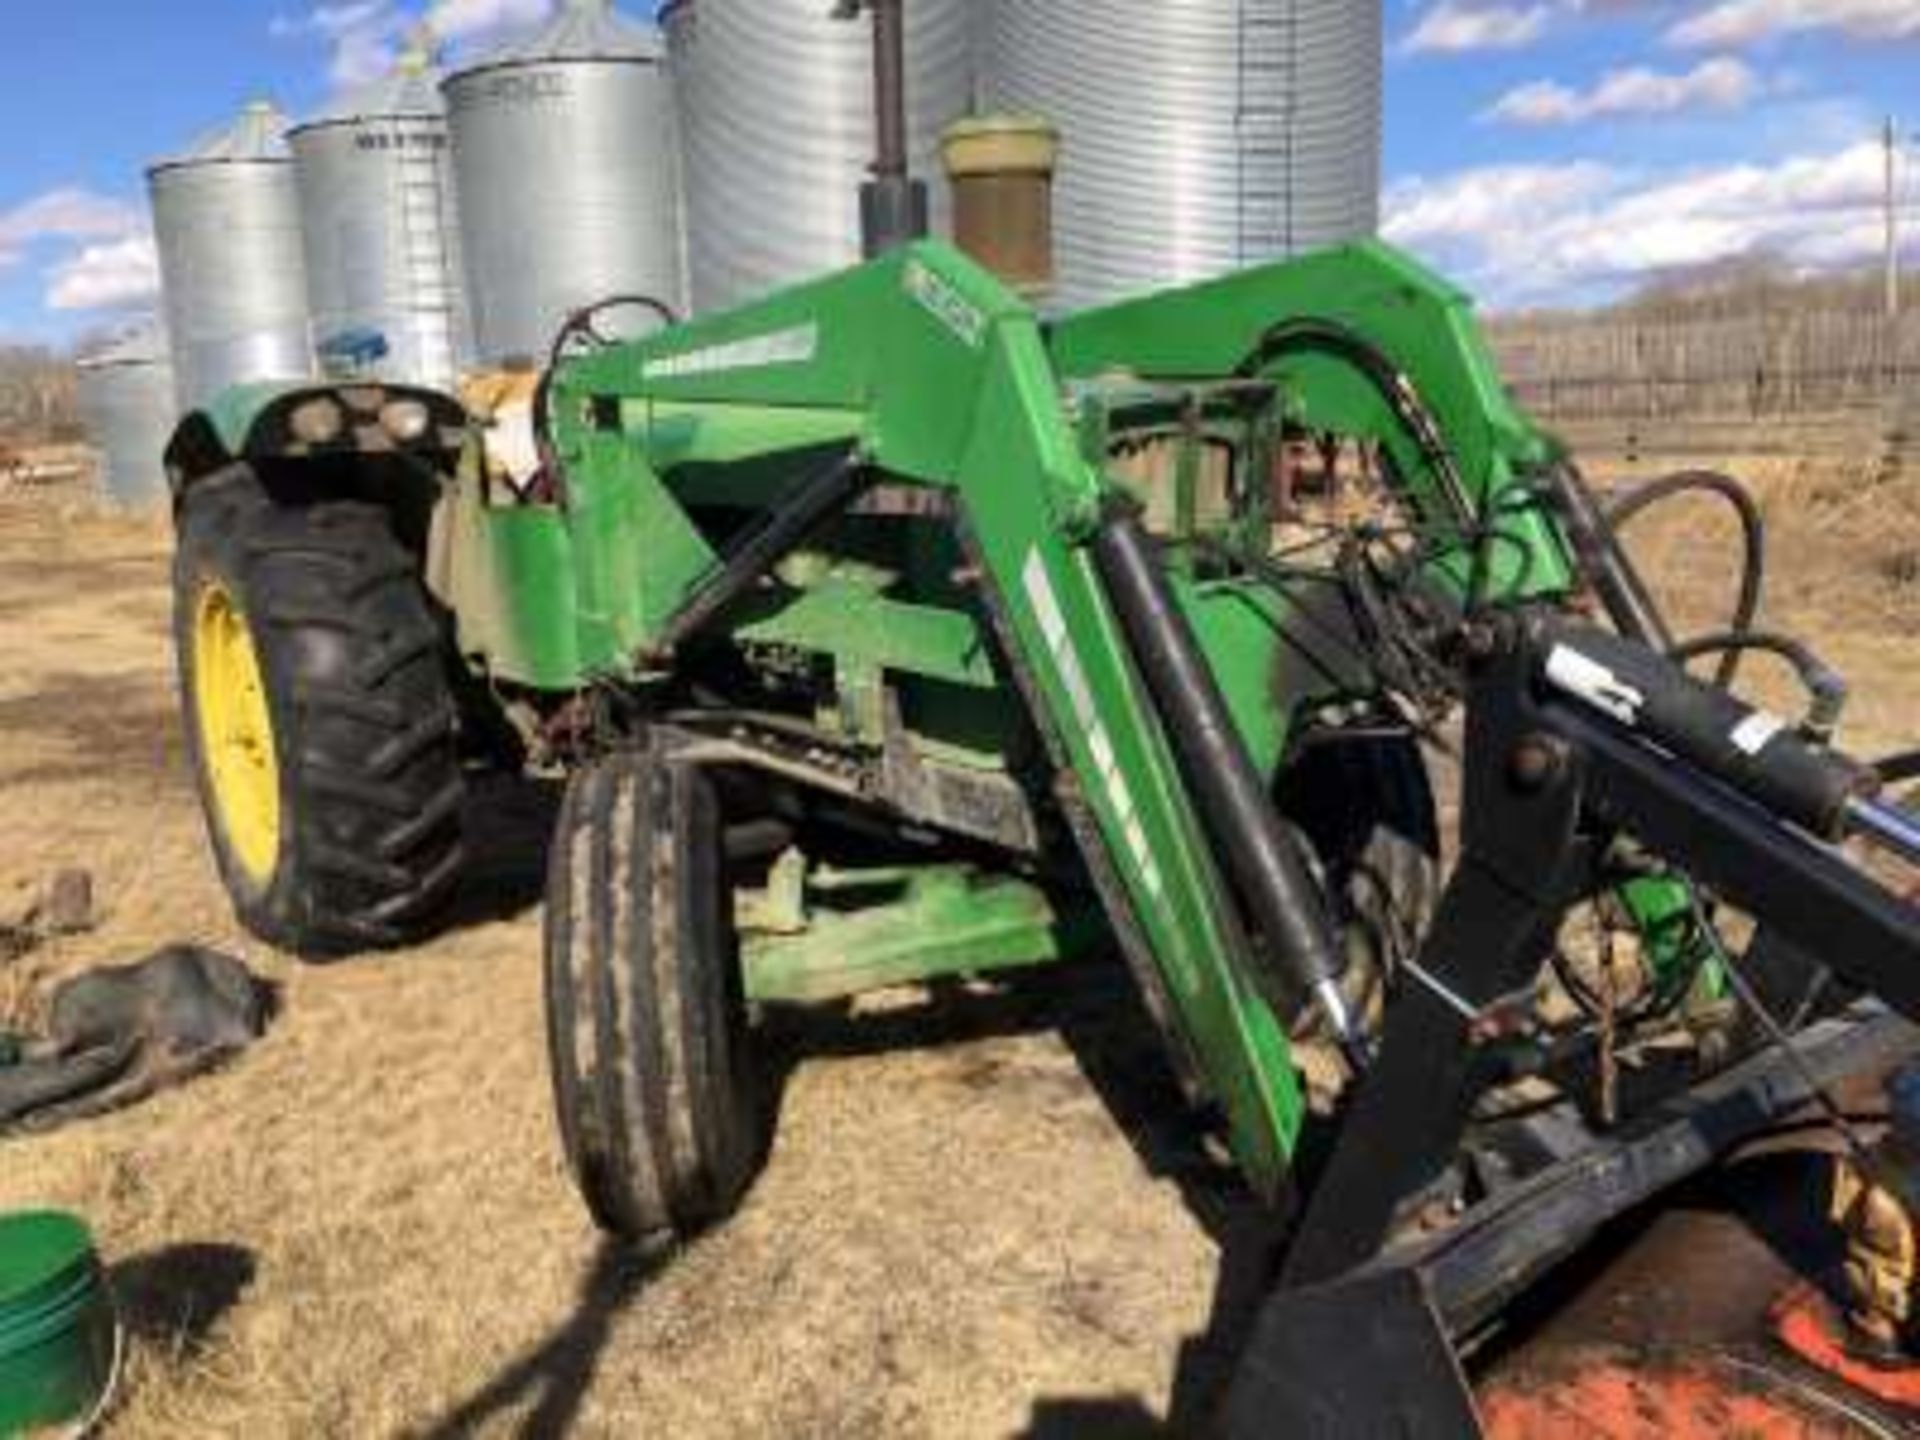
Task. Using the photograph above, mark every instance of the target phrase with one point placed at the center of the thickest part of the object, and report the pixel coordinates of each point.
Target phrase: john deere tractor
(883, 633)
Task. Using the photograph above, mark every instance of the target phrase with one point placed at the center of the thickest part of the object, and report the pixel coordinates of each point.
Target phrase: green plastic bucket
(57, 1335)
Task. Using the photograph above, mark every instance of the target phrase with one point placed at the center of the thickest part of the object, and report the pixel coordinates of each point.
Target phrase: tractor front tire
(660, 1113)
(318, 717)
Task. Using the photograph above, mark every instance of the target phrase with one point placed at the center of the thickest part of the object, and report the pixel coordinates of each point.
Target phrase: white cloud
(465, 19)
(68, 213)
(1718, 84)
(107, 275)
(1452, 26)
(1486, 206)
(1745, 22)
(108, 257)
(364, 37)
(1531, 233)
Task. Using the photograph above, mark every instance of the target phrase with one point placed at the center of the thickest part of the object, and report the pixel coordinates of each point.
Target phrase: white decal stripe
(781, 347)
(1046, 608)
(1076, 683)
(1102, 748)
(1045, 604)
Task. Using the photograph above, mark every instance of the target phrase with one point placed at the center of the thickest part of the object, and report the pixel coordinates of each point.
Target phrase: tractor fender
(274, 426)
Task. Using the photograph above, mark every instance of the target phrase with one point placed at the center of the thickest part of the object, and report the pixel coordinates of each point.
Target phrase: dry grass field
(982, 1215)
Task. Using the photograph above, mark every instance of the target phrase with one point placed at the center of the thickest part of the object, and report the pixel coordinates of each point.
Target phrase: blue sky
(1543, 151)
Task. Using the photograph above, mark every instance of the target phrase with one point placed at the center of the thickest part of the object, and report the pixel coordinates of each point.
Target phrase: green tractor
(884, 633)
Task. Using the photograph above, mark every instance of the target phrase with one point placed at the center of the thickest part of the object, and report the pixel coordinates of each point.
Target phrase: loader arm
(921, 371)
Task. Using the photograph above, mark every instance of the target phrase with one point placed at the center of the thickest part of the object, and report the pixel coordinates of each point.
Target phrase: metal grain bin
(776, 117)
(565, 169)
(227, 220)
(1196, 136)
(125, 394)
(377, 214)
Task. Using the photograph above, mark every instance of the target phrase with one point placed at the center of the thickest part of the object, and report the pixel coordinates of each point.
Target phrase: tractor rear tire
(318, 717)
(659, 1107)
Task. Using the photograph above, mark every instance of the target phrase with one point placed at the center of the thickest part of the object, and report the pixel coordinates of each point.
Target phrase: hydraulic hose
(1629, 604)
(580, 323)
(1825, 686)
(1753, 536)
(1247, 835)
(1394, 387)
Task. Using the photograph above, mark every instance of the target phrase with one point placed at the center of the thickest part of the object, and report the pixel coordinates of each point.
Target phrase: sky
(1538, 151)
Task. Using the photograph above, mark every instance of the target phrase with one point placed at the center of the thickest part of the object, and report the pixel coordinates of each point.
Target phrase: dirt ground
(983, 1214)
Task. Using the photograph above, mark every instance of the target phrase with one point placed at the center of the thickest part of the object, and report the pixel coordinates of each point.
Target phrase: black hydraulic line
(1629, 604)
(1825, 686)
(1246, 831)
(580, 323)
(1753, 536)
(742, 567)
(1389, 382)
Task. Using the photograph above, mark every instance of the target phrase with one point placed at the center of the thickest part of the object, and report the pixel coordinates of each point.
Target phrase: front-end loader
(884, 633)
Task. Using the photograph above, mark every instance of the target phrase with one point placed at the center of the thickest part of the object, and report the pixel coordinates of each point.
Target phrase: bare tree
(37, 403)
(1744, 337)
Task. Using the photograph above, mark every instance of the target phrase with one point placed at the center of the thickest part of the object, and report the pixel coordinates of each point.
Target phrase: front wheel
(659, 1108)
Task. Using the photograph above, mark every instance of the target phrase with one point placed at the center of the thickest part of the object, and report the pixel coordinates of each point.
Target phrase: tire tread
(659, 1144)
(364, 718)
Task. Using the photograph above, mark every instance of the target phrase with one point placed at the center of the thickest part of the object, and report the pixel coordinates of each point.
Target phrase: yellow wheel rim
(236, 731)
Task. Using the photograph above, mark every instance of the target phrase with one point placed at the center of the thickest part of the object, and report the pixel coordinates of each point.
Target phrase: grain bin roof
(257, 135)
(411, 89)
(583, 30)
(141, 343)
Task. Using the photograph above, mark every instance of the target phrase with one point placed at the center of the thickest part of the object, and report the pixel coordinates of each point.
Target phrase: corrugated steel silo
(377, 213)
(227, 221)
(776, 120)
(125, 394)
(565, 167)
(1196, 136)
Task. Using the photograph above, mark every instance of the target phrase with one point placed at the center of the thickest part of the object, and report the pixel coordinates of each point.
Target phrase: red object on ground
(1611, 1394)
(1809, 1325)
